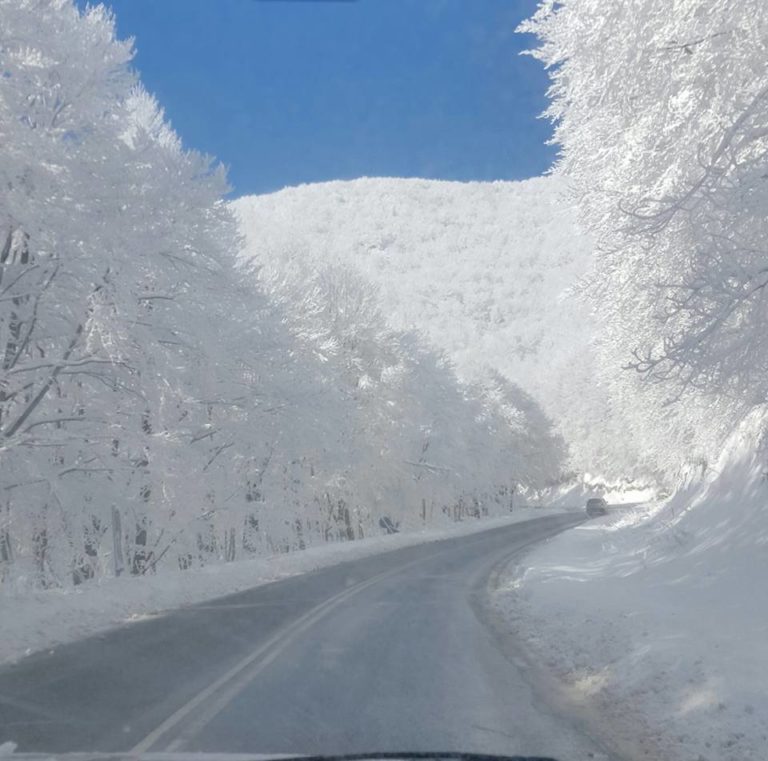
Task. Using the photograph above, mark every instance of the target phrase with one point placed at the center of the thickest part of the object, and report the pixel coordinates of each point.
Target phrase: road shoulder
(654, 644)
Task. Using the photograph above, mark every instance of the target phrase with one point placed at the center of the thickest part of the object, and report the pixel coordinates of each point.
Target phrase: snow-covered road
(386, 653)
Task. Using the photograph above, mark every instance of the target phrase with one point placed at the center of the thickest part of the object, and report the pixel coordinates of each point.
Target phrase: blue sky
(288, 91)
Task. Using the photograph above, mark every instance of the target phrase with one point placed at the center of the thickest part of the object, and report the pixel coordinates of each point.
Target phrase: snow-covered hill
(482, 270)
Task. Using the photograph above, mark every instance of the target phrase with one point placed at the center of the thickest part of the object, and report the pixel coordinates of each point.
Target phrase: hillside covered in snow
(485, 272)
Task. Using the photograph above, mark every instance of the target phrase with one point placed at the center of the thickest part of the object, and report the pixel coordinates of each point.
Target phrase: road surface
(387, 653)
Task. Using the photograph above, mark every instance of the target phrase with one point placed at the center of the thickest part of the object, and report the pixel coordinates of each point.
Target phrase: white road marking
(234, 681)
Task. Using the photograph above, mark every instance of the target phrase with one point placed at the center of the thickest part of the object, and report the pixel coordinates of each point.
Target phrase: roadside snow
(626, 493)
(657, 617)
(41, 620)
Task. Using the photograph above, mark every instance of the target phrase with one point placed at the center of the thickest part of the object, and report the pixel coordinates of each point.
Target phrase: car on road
(596, 506)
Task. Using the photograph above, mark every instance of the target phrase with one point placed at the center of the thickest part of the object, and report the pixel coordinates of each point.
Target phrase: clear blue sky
(291, 91)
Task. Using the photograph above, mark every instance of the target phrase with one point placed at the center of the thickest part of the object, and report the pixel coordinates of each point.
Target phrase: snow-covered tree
(661, 112)
(114, 239)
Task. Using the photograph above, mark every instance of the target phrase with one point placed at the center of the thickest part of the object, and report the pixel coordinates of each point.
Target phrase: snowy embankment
(40, 620)
(658, 617)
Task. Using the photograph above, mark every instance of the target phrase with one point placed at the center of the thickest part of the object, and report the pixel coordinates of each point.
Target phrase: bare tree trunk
(8, 256)
(117, 542)
(229, 546)
(6, 546)
(348, 530)
(40, 549)
(141, 556)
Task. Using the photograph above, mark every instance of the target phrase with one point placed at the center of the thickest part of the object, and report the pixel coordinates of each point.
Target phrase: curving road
(387, 653)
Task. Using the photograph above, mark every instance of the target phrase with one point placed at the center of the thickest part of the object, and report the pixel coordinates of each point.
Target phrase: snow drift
(659, 616)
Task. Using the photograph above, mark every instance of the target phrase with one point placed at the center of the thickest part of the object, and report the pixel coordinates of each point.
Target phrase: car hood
(184, 756)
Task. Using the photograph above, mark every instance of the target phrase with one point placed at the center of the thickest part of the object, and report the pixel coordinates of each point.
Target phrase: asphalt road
(388, 653)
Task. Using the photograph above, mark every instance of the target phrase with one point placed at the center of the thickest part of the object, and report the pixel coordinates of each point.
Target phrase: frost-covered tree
(661, 112)
(427, 437)
(113, 240)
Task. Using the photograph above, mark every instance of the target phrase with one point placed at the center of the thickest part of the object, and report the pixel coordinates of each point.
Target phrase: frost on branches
(159, 408)
(661, 112)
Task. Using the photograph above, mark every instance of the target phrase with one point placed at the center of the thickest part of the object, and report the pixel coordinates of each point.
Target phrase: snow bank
(658, 616)
(575, 493)
(43, 619)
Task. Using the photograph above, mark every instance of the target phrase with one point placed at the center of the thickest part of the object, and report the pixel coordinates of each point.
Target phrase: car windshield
(383, 379)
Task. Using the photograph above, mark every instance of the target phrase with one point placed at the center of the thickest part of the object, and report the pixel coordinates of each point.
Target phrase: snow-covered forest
(190, 380)
(187, 380)
(161, 406)
(486, 272)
